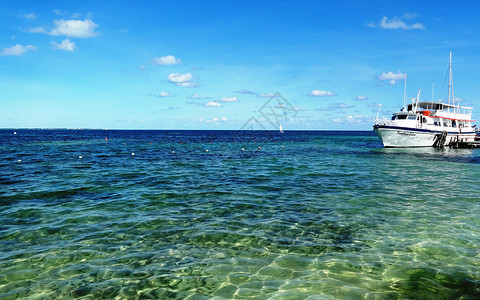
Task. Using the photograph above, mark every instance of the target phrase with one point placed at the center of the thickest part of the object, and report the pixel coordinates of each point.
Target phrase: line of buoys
(173, 152)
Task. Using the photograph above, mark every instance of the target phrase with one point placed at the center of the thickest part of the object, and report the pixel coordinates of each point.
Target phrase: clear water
(309, 215)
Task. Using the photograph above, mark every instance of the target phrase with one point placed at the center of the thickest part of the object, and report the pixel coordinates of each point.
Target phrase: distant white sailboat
(281, 129)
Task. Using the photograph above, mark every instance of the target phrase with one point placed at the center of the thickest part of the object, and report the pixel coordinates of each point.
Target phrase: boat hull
(400, 137)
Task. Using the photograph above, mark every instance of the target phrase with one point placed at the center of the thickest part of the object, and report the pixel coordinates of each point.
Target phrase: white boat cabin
(434, 116)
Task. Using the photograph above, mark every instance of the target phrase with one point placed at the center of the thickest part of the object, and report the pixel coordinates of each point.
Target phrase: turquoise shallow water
(309, 215)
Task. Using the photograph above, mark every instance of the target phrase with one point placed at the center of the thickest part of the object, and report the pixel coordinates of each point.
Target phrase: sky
(305, 65)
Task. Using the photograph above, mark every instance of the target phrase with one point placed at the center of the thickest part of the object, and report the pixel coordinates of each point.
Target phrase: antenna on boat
(405, 93)
(416, 100)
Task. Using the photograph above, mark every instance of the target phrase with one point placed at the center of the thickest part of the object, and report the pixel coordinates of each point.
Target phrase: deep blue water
(300, 215)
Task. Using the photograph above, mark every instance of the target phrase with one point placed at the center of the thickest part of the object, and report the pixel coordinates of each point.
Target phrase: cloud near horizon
(360, 98)
(182, 79)
(229, 99)
(213, 104)
(320, 93)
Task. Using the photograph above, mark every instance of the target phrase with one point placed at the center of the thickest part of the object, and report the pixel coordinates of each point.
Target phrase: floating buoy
(19, 160)
(206, 150)
(173, 152)
(80, 157)
(133, 154)
(283, 146)
(258, 148)
(180, 142)
(106, 138)
(14, 132)
(243, 149)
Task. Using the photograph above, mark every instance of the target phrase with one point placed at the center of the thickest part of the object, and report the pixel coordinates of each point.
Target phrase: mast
(451, 92)
(405, 93)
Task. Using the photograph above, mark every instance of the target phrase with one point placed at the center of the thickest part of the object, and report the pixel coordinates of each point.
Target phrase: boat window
(393, 118)
(454, 124)
(437, 123)
(412, 117)
(424, 120)
(401, 117)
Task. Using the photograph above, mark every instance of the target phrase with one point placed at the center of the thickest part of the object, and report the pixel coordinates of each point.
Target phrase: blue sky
(217, 64)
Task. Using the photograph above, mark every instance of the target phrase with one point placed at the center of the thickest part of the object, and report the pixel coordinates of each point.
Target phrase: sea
(152, 214)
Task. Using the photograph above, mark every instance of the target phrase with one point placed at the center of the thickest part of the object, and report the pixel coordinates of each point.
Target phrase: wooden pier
(461, 144)
(457, 143)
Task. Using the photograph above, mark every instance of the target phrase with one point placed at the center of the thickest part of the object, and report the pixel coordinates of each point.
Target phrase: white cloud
(391, 77)
(361, 98)
(350, 119)
(179, 78)
(300, 109)
(66, 45)
(212, 120)
(59, 12)
(163, 94)
(36, 30)
(29, 16)
(266, 95)
(335, 106)
(224, 119)
(213, 104)
(17, 50)
(397, 23)
(182, 79)
(74, 28)
(165, 60)
(197, 97)
(229, 99)
(320, 93)
(245, 92)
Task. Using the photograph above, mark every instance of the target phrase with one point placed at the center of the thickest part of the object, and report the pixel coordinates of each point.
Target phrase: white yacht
(428, 123)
